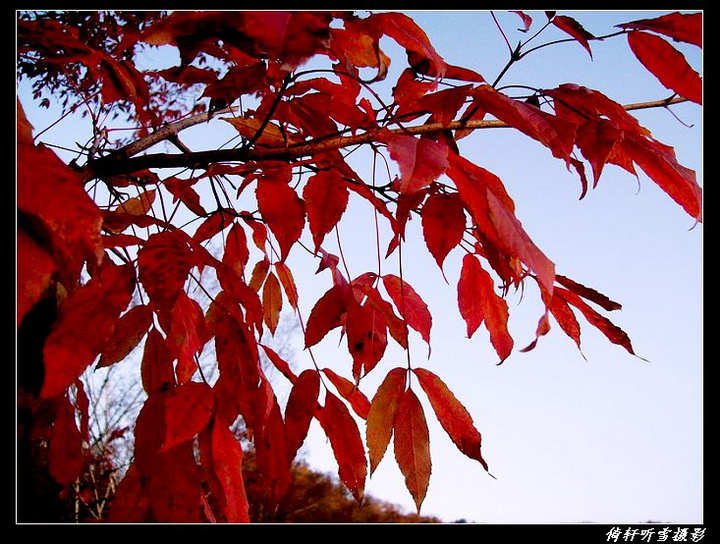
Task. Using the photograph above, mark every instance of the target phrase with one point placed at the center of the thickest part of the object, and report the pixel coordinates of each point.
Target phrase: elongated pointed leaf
(478, 302)
(683, 27)
(188, 335)
(350, 392)
(575, 29)
(421, 160)
(131, 328)
(667, 64)
(282, 209)
(381, 415)
(272, 301)
(452, 415)
(164, 263)
(227, 459)
(342, 431)
(412, 446)
(327, 314)
(66, 445)
(301, 407)
(410, 305)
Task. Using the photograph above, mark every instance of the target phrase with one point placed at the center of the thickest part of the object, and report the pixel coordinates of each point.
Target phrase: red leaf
(575, 29)
(554, 132)
(129, 331)
(350, 392)
(526, 19)
(188, 335)
(421, 160)
(188, 408)
(443, 222)
(611, 331)
(52, 193)
(66, 458)
(326, 197)
(282, 210)
(182, 190)
(236, 253)
(156, 370)
(87, 318)
(412, 446)
(409, 35)
(272, 301)
(217, 222)
(659, 162)
(588, 293)
(226, 460)
(279, 363)
(410, 305)
(164, 263)
(382, 414)
(684, 27)
(342, 431)
(452, 415)
(301, 407)
(667, 64)
(366, 330)
(565, 317)
(479, 303)
(596, 140)
(327, 314)
(35, 268)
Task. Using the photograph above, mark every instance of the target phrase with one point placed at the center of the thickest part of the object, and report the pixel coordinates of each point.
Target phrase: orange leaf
(272, 301)
(452, 415)
(381, 414)
(667, 64)
(412, 446)
(342, 431)
(288, 283)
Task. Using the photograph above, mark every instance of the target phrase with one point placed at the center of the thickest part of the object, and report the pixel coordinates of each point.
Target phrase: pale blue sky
(610, 439)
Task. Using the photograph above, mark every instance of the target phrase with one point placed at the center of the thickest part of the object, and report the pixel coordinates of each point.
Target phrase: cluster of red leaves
(65, 233)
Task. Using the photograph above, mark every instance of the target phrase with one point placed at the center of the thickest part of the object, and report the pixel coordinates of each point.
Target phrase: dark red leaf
(366, 331)
(66, 457)
(188, 408)
(187, 336)
(279, 363)
(575, 29)
(157, 369)
(327, 314)
(226, 461)
(301, 407)
(683, 27)
(588, 293)
(87, 318)
(130, 329)
(236, 253)
(35, 268)
(164, 263)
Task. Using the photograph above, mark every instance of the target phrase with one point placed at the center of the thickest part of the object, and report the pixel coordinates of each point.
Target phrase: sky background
(609, 438)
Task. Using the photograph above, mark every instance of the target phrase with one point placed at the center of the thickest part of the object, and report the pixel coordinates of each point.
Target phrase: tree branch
(124, 161)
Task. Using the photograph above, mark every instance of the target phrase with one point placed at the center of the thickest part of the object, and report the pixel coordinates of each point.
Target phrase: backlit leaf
(667, 64)
(412, 446)
(301, 407)
(683, 27)
(327, 314)
(443, 222)
(350, 392)
(282, 209)
(575, 29)
(421, 160)
(226, 461)
(342, 431)
(131, 328)
(326, 197)
(410, 305)
(272, 301)
(381, 414)
(452, 415)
